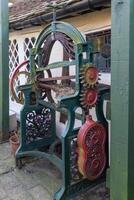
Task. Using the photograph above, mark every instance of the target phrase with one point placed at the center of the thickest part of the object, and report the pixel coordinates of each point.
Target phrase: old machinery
(91, 149)
(80, 152)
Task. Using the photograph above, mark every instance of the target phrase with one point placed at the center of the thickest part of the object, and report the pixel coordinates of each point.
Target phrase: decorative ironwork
(37, 125)
(74, 171)
(91, 148)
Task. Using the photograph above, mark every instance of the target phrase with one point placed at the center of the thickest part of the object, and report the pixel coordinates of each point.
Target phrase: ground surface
(37, 180)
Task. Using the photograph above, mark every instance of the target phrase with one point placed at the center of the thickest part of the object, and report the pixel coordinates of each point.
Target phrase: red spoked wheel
(20, 70)
(91, 149)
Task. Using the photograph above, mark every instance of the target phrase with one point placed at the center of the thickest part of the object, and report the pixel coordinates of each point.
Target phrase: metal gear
(89, 98)
(89, 75)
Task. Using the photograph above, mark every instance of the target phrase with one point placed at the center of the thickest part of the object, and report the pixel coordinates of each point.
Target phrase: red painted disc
(90, 97)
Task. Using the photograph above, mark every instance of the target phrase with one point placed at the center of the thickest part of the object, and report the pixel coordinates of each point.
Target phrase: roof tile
(27, 9)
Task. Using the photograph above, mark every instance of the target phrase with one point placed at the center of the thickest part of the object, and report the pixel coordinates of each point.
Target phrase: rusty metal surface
(55, 78)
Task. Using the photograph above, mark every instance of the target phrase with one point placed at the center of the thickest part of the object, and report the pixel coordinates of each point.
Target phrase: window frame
(100, 32)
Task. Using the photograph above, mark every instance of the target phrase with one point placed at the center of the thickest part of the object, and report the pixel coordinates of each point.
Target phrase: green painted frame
(4, 72)
(68, 103)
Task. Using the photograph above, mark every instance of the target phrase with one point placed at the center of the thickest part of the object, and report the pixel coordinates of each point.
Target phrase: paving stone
(42, 164)
(7, 165)
(7, 162)
(97, 193)
(5, 151)
(40, 193)
(25, 178)
(18, 192)
(3, 193)
(21, 196)
(38, 179)
(9, 181)
(49, 183)
(45, 174)
(6, 198)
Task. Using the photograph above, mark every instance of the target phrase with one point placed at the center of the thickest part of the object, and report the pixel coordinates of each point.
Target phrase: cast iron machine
(83, 157)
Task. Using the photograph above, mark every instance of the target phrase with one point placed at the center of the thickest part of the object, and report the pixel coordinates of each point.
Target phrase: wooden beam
(4, 71)
(122, 98)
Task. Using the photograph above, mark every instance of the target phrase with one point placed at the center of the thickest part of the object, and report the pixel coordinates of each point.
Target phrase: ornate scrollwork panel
(38, 125)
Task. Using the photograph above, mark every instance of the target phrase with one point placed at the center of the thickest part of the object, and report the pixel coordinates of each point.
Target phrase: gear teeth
(82, 81)
(82, 99)
(82, 95)
(85, 85)
(96, 84)
(81, 77)
(81, 70)
(82, 73)
(83, 104)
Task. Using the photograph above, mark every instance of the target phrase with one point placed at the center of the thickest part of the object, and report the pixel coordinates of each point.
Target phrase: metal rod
(55, 78)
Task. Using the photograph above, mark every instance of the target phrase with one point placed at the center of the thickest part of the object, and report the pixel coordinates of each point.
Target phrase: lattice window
(13, 55)
(102, 49)
(28, 44)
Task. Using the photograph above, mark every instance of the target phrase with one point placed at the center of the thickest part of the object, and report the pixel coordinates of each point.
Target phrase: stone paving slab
(37, 180)
(39, 192)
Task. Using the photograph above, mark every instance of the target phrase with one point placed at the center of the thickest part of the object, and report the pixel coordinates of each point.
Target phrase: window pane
(101, 42)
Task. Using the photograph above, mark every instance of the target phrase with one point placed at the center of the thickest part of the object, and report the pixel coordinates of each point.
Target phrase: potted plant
(14, 142)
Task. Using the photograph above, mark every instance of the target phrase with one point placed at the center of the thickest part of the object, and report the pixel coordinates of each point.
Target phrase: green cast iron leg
(122, 94)
(63, 193)
(4, 71)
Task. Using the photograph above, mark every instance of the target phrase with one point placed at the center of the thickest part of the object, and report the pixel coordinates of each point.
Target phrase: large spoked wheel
(20, 76)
